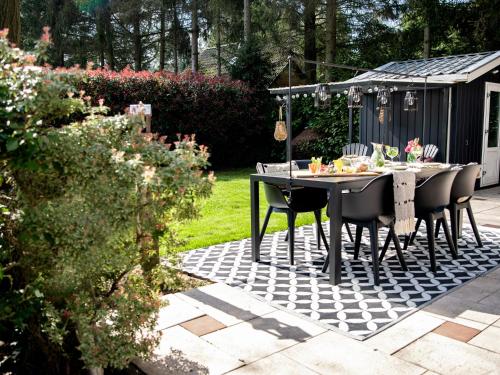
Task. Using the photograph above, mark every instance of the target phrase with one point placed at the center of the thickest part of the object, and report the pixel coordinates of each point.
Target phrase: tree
(246, 19)
(310, 38)
(331, 35)
(194, 36)
(10, 18)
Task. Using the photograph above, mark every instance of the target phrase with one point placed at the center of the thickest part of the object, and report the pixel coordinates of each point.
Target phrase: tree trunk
(136, 36)
(162, 34)
(310, 38)
(218, 43)
(427, 42)
(175, 42)
(108, 27)
(101, 35)
(10, 18)
(331, 35)
(246, 20)
(194, 36)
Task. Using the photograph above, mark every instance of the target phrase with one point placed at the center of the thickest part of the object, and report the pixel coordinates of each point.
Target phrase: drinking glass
(391, 152)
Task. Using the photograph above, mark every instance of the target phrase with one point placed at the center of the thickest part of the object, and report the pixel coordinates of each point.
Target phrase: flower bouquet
(413, 150)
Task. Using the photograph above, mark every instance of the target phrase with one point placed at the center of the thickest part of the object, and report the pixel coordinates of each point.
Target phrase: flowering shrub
(85, 200)
(227, 116)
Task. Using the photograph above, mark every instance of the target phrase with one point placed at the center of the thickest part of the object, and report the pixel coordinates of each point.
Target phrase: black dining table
(335, 186)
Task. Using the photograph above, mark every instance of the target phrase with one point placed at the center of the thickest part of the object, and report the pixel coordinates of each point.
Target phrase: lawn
(225, 216)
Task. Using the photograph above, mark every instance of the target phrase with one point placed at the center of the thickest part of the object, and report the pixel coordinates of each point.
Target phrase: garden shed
(461, 114)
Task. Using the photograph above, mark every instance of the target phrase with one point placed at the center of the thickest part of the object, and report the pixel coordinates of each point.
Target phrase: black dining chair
(292, 202)
(431, 198)
(355, 149)
(460, 197)
(371, 207)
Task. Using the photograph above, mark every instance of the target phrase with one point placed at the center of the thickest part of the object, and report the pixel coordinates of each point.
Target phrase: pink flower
(4, 33)
(101, 102)
(408, 148)
(46, 35)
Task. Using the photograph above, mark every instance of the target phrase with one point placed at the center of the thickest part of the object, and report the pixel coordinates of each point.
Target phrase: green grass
(225, 216)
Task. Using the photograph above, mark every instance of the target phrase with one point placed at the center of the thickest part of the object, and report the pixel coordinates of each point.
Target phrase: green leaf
(12, 145)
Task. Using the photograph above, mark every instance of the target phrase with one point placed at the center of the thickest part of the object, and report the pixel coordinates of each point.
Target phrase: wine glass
(391, 152)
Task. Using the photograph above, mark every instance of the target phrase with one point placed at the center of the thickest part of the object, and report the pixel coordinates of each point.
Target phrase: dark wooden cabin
(462, 107)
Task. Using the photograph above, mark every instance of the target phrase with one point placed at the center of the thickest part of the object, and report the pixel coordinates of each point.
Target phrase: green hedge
(227, 116)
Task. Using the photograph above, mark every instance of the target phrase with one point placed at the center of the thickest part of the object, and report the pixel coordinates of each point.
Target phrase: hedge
(227, 116)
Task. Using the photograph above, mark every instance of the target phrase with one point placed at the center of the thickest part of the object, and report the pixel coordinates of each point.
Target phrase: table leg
(460, 223)
(255, 225)
(335, 213)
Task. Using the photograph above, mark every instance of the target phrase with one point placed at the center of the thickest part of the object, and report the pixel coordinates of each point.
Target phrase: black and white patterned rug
(356, 306)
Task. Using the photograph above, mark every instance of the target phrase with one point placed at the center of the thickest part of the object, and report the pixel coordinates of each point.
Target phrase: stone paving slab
(263, 336)
(488, 339)
(447, 356)
(276, 364)
(226, 304)
(177, 311)
(403, 333)
(332, 353)
(181, 352)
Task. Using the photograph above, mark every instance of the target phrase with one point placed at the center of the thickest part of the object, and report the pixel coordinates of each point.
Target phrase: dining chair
(292, 202)
(355, 149)
(431, 198)
(371, 207)
(460, 197)
(429, 153)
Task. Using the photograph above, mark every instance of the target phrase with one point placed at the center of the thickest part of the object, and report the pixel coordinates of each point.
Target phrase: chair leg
(397, 245)
(266, 221)
(429, 222)
(349, 233)
(407, 241)
(447, 234)
(454, 224)
(438, 227)
(386, 246)
(357, 243)
(291, 237)
(374, 249)
(414, 234)
(317, 216)
(474, 226)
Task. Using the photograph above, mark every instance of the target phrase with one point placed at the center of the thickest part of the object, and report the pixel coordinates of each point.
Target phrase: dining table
(335, 185)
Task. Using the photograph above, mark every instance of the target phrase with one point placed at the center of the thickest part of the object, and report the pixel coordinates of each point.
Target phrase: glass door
(491, 140)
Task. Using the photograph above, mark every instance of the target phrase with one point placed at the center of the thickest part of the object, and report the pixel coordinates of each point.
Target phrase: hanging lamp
(383, 98)
(322, 96)
(354, 96)
(410, 101)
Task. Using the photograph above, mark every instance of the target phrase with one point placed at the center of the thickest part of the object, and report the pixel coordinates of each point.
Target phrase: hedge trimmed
(227, 116)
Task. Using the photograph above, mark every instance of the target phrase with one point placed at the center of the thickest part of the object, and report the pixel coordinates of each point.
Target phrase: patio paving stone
(203, 325)
(260, 337)
(497, 323)
(226, 304)
(447, 356)
(492, 300)
(488, 339)
(177, 311)
(181, 352)
(333, 353)
(456, 331)
(408, 330)
(276, 364)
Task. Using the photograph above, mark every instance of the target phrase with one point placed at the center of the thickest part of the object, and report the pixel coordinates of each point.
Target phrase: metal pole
(289, 115)
(425, 114)
(350, 125)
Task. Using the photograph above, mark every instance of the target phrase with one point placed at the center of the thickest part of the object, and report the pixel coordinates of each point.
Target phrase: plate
(399, 167)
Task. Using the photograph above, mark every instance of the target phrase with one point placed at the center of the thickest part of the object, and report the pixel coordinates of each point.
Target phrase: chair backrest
(303, 163)
(430, 152)
(274, 195)
(434, 193)
(465, 181)
(276, 167)
(355, 149)
(375, 199)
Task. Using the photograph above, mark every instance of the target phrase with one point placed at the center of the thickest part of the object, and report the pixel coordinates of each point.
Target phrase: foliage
(227, 116)
(331, 125)
(84, 206)
(252, 65)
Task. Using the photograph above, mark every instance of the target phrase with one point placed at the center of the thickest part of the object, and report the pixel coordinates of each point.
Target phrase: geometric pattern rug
(356, 307)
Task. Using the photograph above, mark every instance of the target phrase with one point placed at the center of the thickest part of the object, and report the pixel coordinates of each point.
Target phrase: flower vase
(411, 158)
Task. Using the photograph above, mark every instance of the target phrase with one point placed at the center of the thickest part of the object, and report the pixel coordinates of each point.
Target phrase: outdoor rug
(356, 306)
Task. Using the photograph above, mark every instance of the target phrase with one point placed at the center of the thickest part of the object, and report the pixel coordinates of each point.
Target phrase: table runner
(404, 194)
